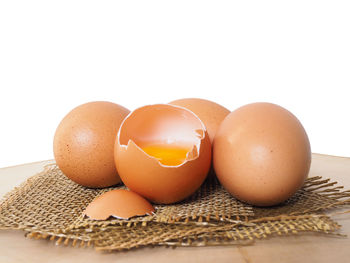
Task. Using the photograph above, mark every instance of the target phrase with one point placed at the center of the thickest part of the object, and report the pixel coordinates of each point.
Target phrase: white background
(55, 55)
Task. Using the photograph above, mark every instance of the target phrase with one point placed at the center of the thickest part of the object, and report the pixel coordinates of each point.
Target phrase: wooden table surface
(14, 247)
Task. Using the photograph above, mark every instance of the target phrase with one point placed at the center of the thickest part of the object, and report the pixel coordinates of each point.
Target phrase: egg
(261, 154)
(210, 113)
(84, 143)
(118, 203)
(163, 152)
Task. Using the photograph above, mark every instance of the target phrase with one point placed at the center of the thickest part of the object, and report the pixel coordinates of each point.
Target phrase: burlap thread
(49, 205)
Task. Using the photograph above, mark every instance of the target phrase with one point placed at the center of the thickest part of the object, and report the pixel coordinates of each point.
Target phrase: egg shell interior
(170, 127)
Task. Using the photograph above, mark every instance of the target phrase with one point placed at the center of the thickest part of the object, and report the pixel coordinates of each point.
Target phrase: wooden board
(14, 247)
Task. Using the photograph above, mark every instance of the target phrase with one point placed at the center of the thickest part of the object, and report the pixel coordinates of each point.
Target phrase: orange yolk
(166, 154)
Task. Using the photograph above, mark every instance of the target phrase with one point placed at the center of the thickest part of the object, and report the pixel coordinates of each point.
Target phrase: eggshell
(261, 154)
(210, 113)
(118, 203)
(84, 143)
(170, 126)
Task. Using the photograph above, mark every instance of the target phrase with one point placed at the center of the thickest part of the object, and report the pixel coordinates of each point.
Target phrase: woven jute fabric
(121, 237)
(49, 205)
(247, 234)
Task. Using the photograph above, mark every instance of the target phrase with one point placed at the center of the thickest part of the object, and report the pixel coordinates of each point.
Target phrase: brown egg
(210, 113)
(118, 203)
(163, 152)
(84, 143)
(261, 154)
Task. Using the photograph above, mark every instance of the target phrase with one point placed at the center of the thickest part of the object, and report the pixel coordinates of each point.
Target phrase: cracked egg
(162, 152)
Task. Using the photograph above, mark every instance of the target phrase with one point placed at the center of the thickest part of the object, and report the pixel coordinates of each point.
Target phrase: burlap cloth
(50, 206)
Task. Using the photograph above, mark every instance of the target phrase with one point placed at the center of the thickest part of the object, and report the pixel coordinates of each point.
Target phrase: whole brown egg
(210, 113)
(84, 143)
(261, 154)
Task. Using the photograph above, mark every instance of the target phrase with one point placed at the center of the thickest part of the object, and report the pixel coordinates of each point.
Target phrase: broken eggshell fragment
(163, 152)
(119, 203)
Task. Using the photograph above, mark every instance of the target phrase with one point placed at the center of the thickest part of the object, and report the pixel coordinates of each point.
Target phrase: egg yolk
(168, 155)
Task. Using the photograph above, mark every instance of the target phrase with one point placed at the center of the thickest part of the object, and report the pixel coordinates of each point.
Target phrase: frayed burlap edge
(293, 217)
(117, 238)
